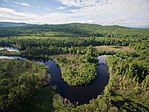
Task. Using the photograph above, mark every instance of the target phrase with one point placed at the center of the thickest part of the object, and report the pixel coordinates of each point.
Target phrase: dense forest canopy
(75, 48)
(19, 80)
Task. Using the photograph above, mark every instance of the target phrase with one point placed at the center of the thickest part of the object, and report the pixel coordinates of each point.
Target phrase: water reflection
(9, 49)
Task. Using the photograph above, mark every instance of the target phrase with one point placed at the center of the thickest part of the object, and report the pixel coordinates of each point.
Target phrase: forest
(25, 85)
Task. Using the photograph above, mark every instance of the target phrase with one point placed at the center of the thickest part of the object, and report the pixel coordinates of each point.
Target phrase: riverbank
(79, 95)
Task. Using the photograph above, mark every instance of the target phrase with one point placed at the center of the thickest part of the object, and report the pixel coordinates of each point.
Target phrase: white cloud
(61, 7)
(24, 4)
(134, 12)
(119, 12)
(7, 14)
(73, 10)
(82, 3)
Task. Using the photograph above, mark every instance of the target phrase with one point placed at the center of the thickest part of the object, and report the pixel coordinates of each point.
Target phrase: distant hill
(69, 30)
(12, 24)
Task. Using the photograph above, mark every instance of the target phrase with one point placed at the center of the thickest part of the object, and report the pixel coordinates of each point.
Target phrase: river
(9, 49)
(77, 95)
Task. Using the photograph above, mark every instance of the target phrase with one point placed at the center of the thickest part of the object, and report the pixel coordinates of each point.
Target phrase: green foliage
(21, 82)
(80, 74)
(62, 105)
(146, 81)
(74, 30)
(129, 67)
(18, 80)
(121, 94)
(35, 47)
(40, 101)
(78, 70)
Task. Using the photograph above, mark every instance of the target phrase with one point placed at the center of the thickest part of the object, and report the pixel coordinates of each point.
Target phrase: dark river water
(83, 94)
(77, 95)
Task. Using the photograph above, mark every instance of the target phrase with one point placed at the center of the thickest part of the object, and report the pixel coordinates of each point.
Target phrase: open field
(114, 48)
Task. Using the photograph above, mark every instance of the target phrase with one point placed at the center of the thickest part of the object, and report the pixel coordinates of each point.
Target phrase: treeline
(44, 46)
(73, 30)
(23, 42)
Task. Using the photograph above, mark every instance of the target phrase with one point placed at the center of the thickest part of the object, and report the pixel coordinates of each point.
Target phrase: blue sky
(133, 13)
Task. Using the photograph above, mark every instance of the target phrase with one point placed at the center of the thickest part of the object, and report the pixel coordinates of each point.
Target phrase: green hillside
(72, 30)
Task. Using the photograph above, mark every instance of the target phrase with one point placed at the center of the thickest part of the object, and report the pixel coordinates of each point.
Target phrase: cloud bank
(133, 13)
(82, 3)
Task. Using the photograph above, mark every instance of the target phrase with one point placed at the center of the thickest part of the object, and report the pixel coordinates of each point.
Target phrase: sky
(132, 13)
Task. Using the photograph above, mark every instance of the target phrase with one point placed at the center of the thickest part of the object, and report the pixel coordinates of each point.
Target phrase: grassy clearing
(68, 56)
(114, 48)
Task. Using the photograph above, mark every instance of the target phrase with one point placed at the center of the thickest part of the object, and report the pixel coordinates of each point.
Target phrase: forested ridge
(74, 48)
(73, 30)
